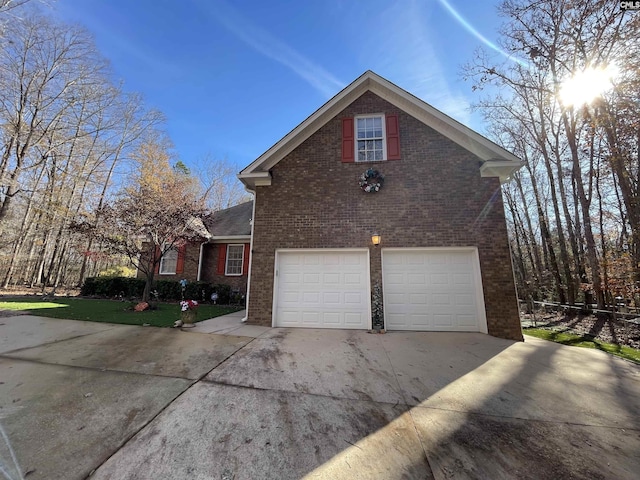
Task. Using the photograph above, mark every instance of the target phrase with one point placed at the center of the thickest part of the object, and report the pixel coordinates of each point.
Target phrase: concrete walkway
(230, 324)
(147, 403)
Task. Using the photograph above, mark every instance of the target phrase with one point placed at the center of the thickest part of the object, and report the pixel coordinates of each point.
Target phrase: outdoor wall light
(375, 239)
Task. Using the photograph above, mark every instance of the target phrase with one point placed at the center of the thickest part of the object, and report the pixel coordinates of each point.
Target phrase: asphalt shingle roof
(230, 221)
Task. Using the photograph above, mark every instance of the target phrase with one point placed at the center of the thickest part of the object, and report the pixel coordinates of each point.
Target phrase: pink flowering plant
(186, 305)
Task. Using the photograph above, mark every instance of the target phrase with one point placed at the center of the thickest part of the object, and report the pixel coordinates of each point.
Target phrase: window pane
(370, 138)
(169, 261)
(234, 259)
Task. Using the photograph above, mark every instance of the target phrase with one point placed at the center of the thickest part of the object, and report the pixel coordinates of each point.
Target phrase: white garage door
(433, 290)
(322, 289)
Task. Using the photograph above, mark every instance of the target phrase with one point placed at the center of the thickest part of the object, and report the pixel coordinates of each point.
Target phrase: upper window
(370, 138)
(169, 261)
(235, 256)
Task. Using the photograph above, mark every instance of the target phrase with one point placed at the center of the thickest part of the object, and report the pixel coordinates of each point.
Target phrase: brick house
(443, 261)
(221, 257)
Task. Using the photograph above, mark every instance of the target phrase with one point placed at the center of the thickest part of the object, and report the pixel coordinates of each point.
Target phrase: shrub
(199, 291)
(112, 287)
(224, 293)
(88, 287)
(168, 289)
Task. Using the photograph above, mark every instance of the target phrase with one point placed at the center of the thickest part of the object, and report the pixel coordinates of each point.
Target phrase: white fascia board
(255, 179)
(500, 169)
(230, 238)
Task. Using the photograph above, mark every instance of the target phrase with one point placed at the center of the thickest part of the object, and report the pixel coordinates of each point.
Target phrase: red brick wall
(432, 197)
(210, 269)
(190, 268)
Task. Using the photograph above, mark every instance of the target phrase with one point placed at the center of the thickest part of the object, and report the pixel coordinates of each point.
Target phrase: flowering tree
(156, 212)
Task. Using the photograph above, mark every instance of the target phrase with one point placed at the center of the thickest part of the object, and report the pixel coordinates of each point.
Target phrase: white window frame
(161, 271)
(384, 136)
(226, 261)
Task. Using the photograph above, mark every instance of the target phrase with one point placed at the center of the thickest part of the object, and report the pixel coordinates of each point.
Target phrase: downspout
(253, 216)
(199, 276)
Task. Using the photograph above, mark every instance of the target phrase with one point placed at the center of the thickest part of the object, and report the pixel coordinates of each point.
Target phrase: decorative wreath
(371, 181)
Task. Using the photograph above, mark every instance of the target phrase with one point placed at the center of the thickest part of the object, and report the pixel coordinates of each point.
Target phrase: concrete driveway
(227, 401)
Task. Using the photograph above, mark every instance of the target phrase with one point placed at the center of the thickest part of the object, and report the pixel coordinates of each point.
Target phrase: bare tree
(220, 186)
(576, 148)
(157, 212)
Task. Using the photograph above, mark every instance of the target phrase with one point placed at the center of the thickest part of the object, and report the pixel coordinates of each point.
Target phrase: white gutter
(199, 276)
(229, 238)
(253, 216)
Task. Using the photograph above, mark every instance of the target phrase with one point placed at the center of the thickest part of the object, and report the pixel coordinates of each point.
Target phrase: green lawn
(110, 311)
(574, 340)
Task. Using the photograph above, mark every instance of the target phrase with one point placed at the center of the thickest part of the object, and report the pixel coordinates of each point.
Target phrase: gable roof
(498, 162)
(230, 222)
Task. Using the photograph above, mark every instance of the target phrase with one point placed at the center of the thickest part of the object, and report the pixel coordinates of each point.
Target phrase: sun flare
(585, 86)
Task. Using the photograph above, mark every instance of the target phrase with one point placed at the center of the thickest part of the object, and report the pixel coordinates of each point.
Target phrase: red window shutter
(393, 138)
(180, 262)
(348, 145)
(157, 256)
(245, 259)
(222, 258)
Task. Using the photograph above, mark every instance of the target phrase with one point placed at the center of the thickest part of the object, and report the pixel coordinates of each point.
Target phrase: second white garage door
(433, 290)
(322, 289)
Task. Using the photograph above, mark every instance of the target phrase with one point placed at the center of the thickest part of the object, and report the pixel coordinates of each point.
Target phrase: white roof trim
(500, 169)
(472, 141)
(229, 238)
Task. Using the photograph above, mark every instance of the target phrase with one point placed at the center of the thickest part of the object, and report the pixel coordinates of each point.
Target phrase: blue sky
(232, 78)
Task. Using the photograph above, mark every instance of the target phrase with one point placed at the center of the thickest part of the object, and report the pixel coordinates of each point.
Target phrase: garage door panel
(351, 298)
(353, 319)
(438, 299)
(443, 320)
(439, 279)
(310, 278)
(416, 278)
(291, 278)
(418, 299)
(333, 291)
(311, 260)
(461, 279)
(464, 299)
(427, 289)
(310, 298)
(419, 319)
(467, 320)
(353, 279)
(331, 278)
